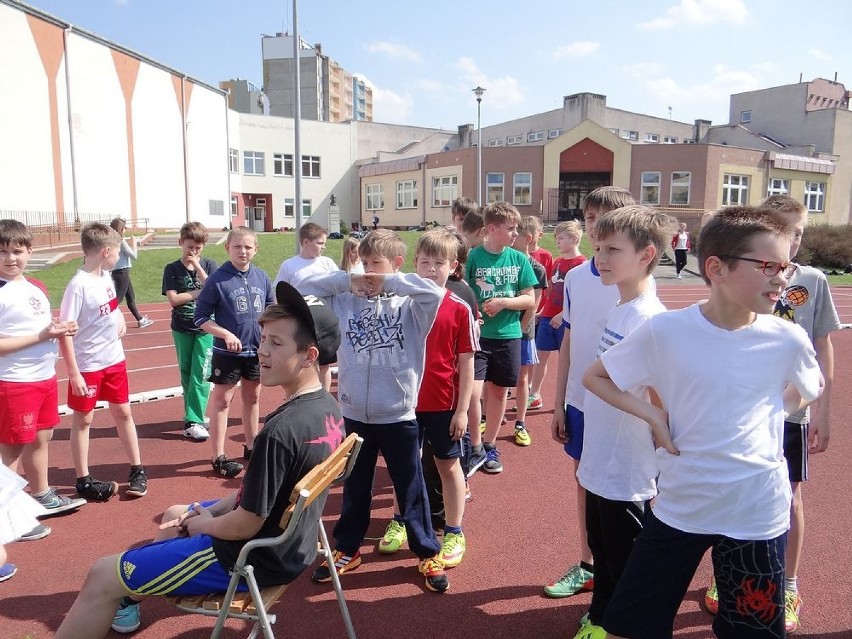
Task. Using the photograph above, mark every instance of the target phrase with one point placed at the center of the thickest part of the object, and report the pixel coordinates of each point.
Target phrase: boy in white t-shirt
(97, 369)
(726, 372)
(618, 468)
(310, 260)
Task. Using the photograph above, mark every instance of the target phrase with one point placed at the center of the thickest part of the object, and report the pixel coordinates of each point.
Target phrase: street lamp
(478, 91)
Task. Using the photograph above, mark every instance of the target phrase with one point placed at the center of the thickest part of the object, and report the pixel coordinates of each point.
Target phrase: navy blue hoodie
(235, 301)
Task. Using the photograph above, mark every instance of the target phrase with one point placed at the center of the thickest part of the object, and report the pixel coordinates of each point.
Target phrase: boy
(527, 231)
(183, 280)
(725, 372)
(472, 228)
(618, 467)
(385, 317)
(503, 281)
(461, 207)
(586, 305)
(806, 301)
(28, 387)
(444, 395)
(235, 295)
(310, 259)
(549, 328)
(204, 541)
(94, 356)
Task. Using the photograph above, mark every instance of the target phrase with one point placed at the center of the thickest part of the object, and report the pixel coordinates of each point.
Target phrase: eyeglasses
(770, 269)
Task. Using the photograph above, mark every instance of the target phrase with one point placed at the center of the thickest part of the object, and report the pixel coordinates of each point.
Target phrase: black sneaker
(138, 482)
(95, 490)
(225, 467)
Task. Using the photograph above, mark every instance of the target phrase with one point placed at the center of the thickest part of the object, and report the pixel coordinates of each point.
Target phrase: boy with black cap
(202, 541)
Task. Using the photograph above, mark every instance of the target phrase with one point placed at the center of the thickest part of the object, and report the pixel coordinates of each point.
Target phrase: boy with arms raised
(725, 371)
(231, 302)
(183, 280)
(97, 369)
(503, 281)
(202, 541)
(384, 317)
(587, 303)
(618, 467)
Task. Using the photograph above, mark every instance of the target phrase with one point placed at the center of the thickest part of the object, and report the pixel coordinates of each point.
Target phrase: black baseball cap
(318, 318)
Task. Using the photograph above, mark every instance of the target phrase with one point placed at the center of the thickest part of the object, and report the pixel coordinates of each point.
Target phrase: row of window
(650, 138)
(445, 189)
(254, 163)
(259, 210)
(734, 190)
(535, 136)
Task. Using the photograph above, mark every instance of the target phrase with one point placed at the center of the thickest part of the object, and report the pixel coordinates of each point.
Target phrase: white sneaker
(145, 322)
(196, 432)
(679, 276)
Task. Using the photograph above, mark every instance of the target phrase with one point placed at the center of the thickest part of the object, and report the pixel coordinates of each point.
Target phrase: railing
(50, 228)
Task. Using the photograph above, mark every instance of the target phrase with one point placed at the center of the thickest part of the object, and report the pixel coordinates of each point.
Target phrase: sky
(424, 58)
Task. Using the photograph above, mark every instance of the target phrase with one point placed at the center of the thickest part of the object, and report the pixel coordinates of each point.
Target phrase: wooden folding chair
(253, 605)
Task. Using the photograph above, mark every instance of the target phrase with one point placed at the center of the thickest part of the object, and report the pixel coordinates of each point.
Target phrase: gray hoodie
(383, 342)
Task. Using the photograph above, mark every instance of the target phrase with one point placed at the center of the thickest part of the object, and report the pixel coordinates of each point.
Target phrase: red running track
(521, 530)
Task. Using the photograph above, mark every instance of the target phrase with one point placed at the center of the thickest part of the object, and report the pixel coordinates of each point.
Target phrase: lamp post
(478, 91)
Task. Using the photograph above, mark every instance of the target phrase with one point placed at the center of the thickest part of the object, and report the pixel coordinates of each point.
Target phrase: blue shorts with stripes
(179, 566)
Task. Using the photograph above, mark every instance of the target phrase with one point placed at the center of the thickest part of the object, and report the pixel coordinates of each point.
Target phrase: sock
(452, 530)
(588, 567)
(791, 584)
(40, 495)
(477, 449)
(85, 479)
(488, 446)
(482, 419)
(520, 424)
(398, 518)
(138, 467)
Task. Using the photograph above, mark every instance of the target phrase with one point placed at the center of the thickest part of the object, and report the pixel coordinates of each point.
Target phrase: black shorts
(436, 429)
(228, 370)
(796, 451)
(501, 359)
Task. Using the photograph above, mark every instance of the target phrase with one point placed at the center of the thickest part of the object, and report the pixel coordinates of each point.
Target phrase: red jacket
(674, 241)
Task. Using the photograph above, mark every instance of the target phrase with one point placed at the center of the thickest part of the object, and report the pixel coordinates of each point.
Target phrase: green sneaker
(452, 549)
(590, 631)
(577, 579)
(711, 598)
(792, 610)
(393, 538)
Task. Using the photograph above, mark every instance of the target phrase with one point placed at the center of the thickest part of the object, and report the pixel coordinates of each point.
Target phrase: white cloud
(575, 50)
(389, 106)
(394, 50)
(699, 12)
(642, 70)
(501, 92)
(820, 55)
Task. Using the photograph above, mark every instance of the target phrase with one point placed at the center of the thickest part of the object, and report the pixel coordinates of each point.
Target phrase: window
(406, 194)
(311, 166)
(289, 211)
(652, 138)
(680, 188)
(554, 133)
(630, 135)
(778, 186)
(234, 206)
(513, 139)
(535, 137)
(445, 190)
(668, 139)
(216, 207)
(650, 187)
(522, 189)
(745, 117)
(495, 142)
(234, 160)
(282, 164)
(253, 163)
(494, 187)
(734, 189)
(375, 195)
(815, 196)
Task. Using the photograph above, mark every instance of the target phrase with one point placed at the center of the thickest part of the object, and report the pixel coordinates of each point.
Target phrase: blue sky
(423, 58)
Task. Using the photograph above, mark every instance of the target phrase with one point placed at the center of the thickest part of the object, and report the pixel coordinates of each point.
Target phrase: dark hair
(301, 336)
(464, 205)
(15, 233)
(194, 231)
(311, 231)
(473, 222)
(500, 213)
(731, 230)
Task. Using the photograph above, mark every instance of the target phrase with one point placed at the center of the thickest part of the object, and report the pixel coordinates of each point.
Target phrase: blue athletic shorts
(574, 427)
(436, 428)
(529, 355)
(179, 566)
(548, 338)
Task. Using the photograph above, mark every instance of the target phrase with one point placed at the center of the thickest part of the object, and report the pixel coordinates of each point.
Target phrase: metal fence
(52, 228)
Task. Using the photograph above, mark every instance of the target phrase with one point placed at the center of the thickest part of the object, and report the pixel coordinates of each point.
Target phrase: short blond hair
(382, 242)
(642, 225)
(438, 242)
(500, 213)
(528, 225)
(96, 236)
(240, 231)
(571, 228)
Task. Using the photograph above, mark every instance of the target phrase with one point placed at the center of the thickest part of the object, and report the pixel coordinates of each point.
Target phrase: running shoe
(145, 322)
(452, 549)
(711, 598)
(492, 463)
(7, 571)
(433, 570)
(534, 402)
(94, 490)
(225, 467)
(792, 610)
(343, 563)
(39, 532)
(477, 459)
(522, 435)
(590, 631)
(576, 580)
(137, 482)
(56, 504)
(393, 538)
(127, 619)
(195, 431)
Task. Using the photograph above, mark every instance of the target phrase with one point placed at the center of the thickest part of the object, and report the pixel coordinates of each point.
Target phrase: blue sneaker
(127, 619)
(477, 459)
(492, 463)
(7, 571)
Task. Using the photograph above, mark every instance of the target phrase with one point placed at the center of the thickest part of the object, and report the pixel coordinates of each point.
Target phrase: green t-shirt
(499, 275)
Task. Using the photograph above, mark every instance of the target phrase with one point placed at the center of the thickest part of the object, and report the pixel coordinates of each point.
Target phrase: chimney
(700, 130)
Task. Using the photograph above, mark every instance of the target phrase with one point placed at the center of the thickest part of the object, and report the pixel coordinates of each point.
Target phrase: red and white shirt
(453, 333)
(90, 300)
(25, 310)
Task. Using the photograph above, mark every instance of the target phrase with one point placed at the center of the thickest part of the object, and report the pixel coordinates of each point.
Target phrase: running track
(520, 529)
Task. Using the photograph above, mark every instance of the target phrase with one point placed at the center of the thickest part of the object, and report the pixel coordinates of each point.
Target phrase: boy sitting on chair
(203, 540)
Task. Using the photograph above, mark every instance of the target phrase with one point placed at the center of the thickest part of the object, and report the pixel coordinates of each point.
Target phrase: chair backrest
(322, 476)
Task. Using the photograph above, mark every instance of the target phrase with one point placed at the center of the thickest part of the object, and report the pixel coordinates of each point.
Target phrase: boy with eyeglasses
(726, 371)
